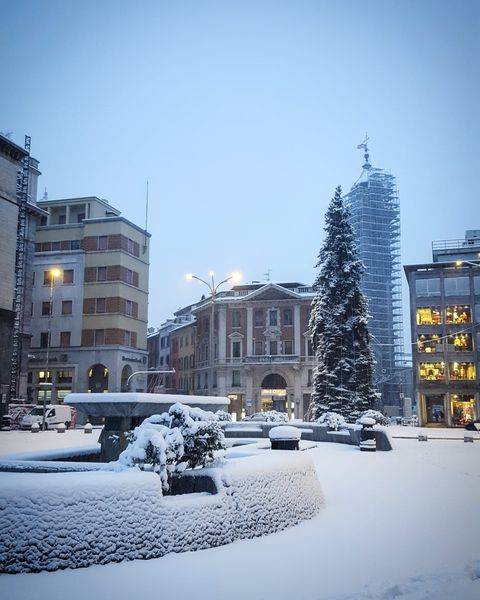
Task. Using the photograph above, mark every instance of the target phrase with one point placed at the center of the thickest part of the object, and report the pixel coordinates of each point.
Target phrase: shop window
(430, 342)
(258, 317)
(460, 342)
(288, 347)
(463, 409)
(456, 315)
(429, 315)
(457, 286)
(287, 316)
(427, 287)
(461, 371)
(430, 371)
(435, 408)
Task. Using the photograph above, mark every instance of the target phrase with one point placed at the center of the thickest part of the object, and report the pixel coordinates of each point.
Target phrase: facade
(182, 340)
(375, 217)
(96, 325)
(11, 157)
(263, 354)
(445, 319)
(159, 353)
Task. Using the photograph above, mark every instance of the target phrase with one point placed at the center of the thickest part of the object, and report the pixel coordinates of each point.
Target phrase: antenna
(364, 145)
(267, 274)
(146, 220)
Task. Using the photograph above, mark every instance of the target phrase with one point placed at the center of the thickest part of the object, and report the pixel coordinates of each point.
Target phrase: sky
(243, 117)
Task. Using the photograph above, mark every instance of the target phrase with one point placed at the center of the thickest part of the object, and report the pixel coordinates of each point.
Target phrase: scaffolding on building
(374, 207)
(20, 271)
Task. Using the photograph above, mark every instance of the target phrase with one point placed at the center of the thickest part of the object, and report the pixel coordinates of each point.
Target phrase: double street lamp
(213, 288)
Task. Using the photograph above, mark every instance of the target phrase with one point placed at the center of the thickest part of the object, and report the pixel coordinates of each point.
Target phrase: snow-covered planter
(332, 420)
(379, 418)
(270, 416)
(185, 437)
(223, 416)
(71, 520)
(285, 437)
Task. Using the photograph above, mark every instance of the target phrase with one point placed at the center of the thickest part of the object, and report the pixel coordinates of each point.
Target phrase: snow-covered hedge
(71, 520)
(380, 418)
(333, 420)
(271, 416)
(223, 415)
(185, 437)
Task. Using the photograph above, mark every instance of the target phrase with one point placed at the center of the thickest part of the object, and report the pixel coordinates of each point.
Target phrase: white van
(54, 414)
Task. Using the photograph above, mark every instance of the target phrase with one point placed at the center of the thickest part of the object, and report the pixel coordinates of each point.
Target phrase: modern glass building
(375, 218)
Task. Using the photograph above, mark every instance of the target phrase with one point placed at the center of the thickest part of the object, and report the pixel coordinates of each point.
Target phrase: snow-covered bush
(185, 437)
(332, 420)
(223, 415)
(271, 416)
(380, 419)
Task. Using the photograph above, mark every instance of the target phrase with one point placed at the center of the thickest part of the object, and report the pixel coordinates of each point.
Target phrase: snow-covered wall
(61, 520)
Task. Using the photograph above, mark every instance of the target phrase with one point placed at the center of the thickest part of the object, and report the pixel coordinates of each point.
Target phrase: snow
(14, 442)
(401, 524)
(139, 397)
(285, 432)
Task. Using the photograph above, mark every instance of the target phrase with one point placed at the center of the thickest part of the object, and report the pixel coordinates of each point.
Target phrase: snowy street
(396, 524)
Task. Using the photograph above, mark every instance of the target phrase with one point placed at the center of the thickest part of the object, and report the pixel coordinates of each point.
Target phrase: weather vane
(364, 146)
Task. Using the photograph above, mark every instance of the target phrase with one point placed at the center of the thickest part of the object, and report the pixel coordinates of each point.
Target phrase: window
(161, 361)
(99, 337)
(235, 378)
(310, 374)
(258, 348)
(432, 371)
(75, 245)
(236, 349)
(129, 276)
(46, 308)
(44, 337)
(47, 278)
(310, 347)
(463, 409)
(44, 377)
(429, 342)
(476, 284)
(273, 348)
(129, 308)
(33, 278)
(62, 219)
(80, 217)
(273, 318)
(288, 347)
(67, 276)
(461, 370)
(427, 287)
(258, 318)
(235, 318)
(67, 306)
(64, 376)
(102, 242)
(129, 338)
(56, 246)
(130, 246)
(455, 315)
(101, 273)
(457, 286)
(460, 342)
(65, 337)
(429, 315)
(205, 380)
(287, 316)
(162, 342)
(101, 305)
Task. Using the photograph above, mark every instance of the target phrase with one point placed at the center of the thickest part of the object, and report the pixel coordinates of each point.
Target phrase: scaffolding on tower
(20, 272)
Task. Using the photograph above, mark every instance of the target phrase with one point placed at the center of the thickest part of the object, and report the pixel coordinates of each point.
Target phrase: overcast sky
(244, 116)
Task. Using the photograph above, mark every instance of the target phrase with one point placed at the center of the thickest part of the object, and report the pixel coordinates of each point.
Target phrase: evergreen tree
(343, 377)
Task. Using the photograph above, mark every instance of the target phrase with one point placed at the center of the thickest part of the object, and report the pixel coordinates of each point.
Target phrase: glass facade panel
(435, 408)
(463, 409)
(429, 315)
(461, 371)
(430, 371)
(457, 286)
(455, 315)
(428, 287)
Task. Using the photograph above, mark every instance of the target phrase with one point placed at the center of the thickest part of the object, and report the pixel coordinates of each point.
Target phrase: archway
(126, 372)
(98, 378)
(274, 393)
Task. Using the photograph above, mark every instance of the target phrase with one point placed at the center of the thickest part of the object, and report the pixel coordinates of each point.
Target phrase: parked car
(54, 414)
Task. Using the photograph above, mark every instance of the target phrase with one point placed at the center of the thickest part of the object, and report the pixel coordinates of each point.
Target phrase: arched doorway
(98, 378)
(126, 372)
(274, 393)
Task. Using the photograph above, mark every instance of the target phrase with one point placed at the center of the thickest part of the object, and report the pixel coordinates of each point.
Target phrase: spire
(364, 145)
(45, 195)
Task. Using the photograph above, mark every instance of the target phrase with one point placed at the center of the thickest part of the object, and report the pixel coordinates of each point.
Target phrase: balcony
(271, 358)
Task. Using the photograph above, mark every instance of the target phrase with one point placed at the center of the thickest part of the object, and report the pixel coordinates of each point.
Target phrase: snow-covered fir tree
(343, 377)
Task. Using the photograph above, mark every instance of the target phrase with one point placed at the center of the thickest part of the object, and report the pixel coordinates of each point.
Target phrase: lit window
(432, 371)
(429, 342)
(463, 409)
(461, 371)
(460, 342)
(429, 315)
(458, 314)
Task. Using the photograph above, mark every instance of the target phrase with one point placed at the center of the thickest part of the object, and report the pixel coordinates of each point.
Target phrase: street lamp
(54, 274)
(213, 287)
(460, 263)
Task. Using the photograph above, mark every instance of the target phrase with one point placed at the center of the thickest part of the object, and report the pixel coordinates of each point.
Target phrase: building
(445, 319)
(182, 340)
(159, 353)
(11, 167)
(263, 354)
(375, 217)
(95, 330)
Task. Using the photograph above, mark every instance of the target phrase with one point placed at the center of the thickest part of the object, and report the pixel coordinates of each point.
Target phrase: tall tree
(343, 377)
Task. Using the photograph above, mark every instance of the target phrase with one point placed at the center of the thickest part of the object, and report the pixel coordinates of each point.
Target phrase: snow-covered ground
(16, 442)
(401, 524)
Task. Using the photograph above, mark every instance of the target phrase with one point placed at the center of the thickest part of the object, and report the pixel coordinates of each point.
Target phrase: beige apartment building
(96, 324)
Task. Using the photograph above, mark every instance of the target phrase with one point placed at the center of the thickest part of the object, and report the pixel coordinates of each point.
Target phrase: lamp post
(213, 287)
(54, 273)
(460, 263)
